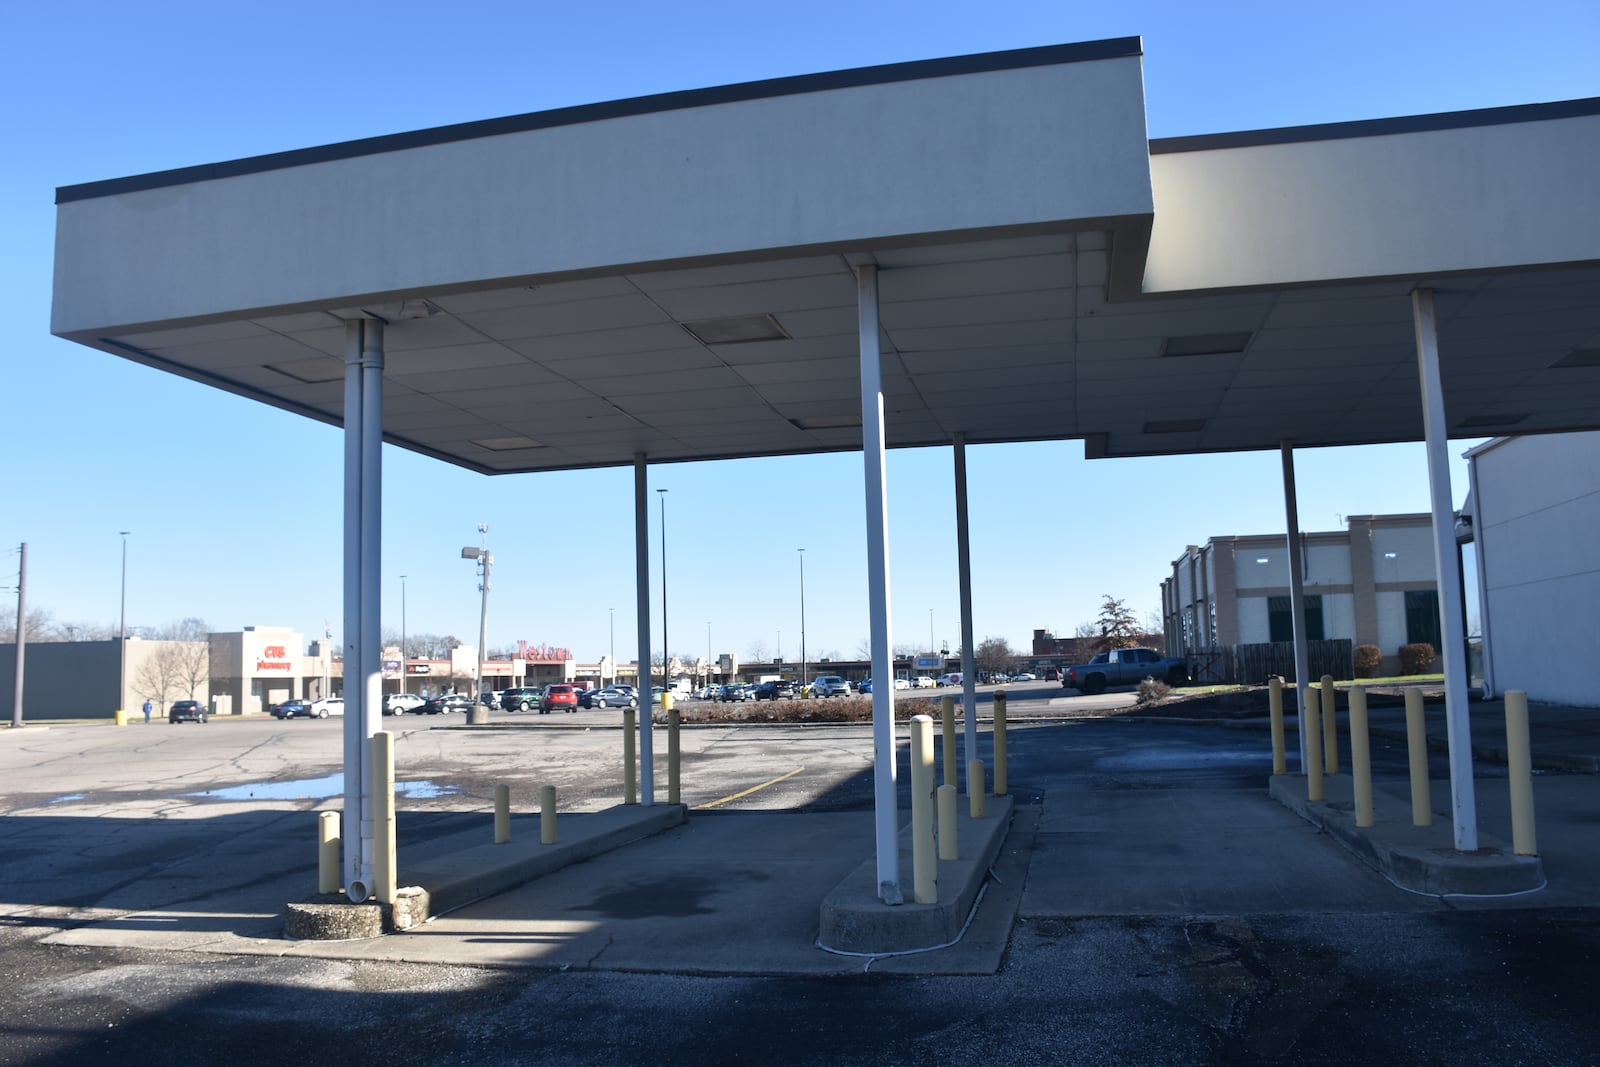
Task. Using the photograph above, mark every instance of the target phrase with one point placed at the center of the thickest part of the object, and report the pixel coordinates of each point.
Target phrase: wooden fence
(1254, 664)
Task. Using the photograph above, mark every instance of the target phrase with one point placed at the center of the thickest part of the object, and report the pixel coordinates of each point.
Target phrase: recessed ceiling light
(311, 371)
(1263, 559)
(827, 422)
(1206, 344)
(1175, 426)
(506, 444)
(742, 329)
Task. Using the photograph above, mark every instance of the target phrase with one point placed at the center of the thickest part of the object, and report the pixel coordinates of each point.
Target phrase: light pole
(802, 618)
(485, 561)
(405, 675)
(666, 649)
(932, 648)
(22, 634)
(122, 626)
(708, 653)
(614, 645)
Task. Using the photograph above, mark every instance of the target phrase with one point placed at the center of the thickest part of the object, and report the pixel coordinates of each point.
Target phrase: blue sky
(235, 508)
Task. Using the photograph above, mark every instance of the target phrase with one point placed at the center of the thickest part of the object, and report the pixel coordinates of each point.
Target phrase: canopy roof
(674, 275)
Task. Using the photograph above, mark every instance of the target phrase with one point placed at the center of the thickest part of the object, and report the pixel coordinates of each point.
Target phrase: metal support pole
(641, 548)
(363, 679)
(969, 679)
(674, 753)
(630, 765)
(1361, 756)
(1297, 598)
(886, 834)
(1452, 635)
(122, 630)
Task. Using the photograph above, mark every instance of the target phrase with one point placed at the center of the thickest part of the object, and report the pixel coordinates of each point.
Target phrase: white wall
(1539, 499)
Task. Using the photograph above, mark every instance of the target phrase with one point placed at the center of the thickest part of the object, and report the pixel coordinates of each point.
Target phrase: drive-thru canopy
(735, 271)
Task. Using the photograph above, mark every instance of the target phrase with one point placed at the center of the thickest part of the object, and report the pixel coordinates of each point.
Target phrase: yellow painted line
(747, 792)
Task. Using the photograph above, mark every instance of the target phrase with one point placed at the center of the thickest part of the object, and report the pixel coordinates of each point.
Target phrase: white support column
(877, 501)
(1475, 494)
(1452, 635)
(1297, 596)
(969, 683)
(641, 548)
(363, 663)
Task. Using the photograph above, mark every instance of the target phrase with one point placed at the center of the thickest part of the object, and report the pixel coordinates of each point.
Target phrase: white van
(950, 679)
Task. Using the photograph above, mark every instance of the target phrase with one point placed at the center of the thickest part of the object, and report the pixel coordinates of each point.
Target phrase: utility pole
(22, 633)
(802, 618)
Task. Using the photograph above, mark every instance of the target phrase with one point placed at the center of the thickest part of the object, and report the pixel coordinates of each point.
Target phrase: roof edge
(795, 85)
(1337, 131)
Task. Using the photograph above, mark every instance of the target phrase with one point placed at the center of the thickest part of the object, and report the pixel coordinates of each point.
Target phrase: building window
(1211, 609)
(1422, 617)
(1280, 618)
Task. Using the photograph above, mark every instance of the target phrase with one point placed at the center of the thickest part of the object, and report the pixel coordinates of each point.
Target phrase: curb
(1419, 859)
(855, 922)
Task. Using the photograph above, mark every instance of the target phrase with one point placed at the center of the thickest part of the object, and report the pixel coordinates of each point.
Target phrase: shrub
(1367, 659)
(1416, 659)
(1153, 691)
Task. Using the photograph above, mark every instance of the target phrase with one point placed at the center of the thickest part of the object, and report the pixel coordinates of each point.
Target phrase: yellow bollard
(120, 717)
(1000, 783)
(1417, 750)
(949, 835)
(1361, 756)
(1313, 751)
(924, 861)
(1330, 728)
(674, 793)
(328, 852)
(1280, 761)
(630, 769)
(502, 814)
(947, 738)
(975, 788)
(1519, 775)
(383, 851)
(547, 814)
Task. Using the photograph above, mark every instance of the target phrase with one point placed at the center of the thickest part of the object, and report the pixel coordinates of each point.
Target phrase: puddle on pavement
(318, 789)
(67, 797)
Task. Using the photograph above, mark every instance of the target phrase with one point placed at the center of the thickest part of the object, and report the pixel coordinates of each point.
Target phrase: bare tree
(1118, 628)
(39, 625)
(864, 648)
(1087, 629)
(993, 654)
(756, 652)
(158, 676)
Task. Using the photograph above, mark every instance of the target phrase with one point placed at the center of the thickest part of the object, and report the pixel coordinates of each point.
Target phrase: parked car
(901, 683)
(925, 681)
(1024, 676)
(445, 703)
(613, 697)
(1052, 674)
(564, 697)
(321, 709)
(522, 699)
(864, 686)
(488, 699)
(738, 692)
(829, 685)
(294, 708)
(780, 690)
(953, 678)
(186, 711)
(400, 703)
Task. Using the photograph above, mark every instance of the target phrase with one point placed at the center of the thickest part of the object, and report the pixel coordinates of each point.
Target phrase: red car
(564, 697)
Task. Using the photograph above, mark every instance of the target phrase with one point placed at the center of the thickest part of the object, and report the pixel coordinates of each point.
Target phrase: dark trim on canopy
(1338, 131)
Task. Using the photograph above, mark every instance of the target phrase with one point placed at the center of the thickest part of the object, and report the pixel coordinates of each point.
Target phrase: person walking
(147, 709)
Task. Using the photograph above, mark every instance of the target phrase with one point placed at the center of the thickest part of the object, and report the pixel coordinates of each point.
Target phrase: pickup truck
(1124, 666)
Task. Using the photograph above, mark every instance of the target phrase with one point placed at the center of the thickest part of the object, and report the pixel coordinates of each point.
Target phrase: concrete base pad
(1422, 859)
(331, 919)
(855, 920)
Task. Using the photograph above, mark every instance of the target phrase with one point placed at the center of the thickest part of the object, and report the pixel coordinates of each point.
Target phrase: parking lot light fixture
(485, 561)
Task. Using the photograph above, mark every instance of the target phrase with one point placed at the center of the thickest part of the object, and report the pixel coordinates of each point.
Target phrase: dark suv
(775, 690)
(186, 711)
(525, 699)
